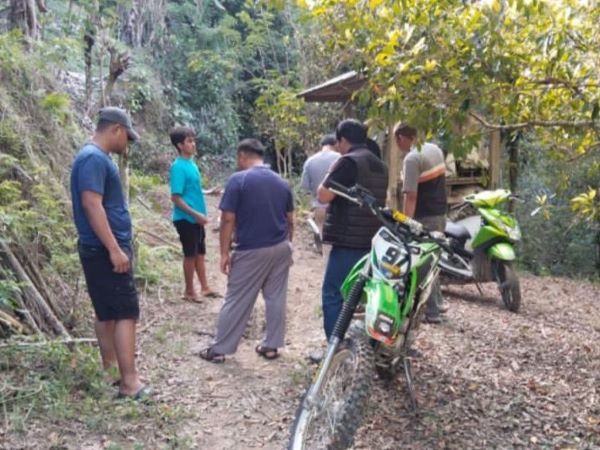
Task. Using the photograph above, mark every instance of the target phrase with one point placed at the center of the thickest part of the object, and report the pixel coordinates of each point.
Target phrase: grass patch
(62, 387)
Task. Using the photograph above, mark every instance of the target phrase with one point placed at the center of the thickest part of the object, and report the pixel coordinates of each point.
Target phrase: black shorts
(114, 295)
(192, 237)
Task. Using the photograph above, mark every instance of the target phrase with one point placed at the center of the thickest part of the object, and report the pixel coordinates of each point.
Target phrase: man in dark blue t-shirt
(259, 205)
(104, 227)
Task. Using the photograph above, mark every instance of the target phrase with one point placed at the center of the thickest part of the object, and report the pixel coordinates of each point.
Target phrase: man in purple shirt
(257, 204)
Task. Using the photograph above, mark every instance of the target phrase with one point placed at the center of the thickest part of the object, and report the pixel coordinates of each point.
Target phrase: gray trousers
(434, 223)
(264, 269)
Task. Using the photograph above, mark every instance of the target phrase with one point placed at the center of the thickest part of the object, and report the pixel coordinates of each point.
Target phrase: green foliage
(9, 288)
(47, 379)
(587, 205)
(574, 248)
(434, 62)
(58, 105)
(10, 141)
(10, 193)
(150, 267)
(13, 61)
(141, 183)
(508, 64)
(63, 383)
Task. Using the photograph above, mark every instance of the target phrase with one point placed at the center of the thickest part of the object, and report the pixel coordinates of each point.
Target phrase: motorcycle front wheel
(509, 285)
(330, 420)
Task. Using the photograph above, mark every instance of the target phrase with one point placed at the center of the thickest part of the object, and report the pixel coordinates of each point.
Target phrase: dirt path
(487, 379)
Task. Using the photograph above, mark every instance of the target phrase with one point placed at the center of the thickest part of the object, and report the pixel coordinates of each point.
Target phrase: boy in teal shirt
(189, 211)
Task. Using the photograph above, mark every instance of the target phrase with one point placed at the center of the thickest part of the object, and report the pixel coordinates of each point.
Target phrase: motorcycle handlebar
(363, 197)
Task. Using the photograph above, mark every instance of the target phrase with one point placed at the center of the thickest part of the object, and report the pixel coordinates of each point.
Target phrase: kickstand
(409, 383)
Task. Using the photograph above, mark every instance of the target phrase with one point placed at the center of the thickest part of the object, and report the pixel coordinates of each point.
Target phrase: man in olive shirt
(424, 194)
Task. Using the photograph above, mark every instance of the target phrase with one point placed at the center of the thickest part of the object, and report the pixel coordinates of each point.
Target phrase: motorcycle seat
(457, 231)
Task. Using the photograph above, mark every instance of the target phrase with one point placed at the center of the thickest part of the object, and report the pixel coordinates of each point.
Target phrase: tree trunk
(513, 167)
(87, 55)
(103, 102)
(22, 15)
(119, 63)
(124, 173)
(41, 4)
(91, 32)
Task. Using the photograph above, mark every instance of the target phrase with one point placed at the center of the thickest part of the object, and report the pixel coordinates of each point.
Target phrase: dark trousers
(340, 262)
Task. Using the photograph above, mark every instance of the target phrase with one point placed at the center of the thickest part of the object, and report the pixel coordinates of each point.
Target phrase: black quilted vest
(347, 224)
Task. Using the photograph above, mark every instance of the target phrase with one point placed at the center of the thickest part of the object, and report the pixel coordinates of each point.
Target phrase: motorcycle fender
(382, 312)
(352, 276)
(503, 251)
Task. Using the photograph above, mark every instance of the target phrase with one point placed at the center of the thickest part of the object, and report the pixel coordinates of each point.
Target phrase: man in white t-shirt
(313, 173)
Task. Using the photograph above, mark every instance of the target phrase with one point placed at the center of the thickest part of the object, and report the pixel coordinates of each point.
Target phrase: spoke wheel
(332, 418)
(509, 286)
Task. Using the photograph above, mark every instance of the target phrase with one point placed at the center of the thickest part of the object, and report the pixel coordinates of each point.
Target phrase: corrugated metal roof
(338, 89)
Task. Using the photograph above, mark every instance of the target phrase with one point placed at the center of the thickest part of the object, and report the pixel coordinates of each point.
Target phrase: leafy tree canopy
(508, 64)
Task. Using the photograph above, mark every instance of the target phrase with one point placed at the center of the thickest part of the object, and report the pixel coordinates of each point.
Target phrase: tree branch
(535, 123)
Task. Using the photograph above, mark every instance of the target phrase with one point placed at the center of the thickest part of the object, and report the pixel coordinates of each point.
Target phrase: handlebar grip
(338, 187)
(415, 227)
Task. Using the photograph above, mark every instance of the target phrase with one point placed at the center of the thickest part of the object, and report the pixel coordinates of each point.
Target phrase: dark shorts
(192, 237)
(114, 295)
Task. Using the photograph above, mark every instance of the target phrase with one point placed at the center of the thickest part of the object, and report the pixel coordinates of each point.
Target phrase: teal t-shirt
(186, 181)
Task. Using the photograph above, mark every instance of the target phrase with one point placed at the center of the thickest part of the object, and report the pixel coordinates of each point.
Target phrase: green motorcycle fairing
(385, 312)
(488, 199)
(503, 251)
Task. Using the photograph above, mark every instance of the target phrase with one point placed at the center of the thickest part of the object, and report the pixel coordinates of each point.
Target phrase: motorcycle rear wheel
(332, 418)
(509, 286)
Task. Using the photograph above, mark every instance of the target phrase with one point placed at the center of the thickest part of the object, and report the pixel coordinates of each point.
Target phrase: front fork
(340, 328)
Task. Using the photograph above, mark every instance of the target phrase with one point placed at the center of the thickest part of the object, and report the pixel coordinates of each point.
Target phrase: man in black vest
(348, 227)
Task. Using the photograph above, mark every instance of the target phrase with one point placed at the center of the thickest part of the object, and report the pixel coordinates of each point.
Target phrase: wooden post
(393, 160)
(348, 109)
(495, 161)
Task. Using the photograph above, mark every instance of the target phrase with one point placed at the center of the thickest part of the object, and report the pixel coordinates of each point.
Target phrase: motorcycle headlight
(514, 233)
(384, 324)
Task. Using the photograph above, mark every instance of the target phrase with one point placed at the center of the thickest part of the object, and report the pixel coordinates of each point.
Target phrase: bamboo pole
(31, 293)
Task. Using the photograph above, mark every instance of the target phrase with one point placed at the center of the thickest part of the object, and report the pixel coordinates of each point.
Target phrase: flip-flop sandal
(212, 294)
(266, 352)
(143, 394)
(208, 354)
(189, 298)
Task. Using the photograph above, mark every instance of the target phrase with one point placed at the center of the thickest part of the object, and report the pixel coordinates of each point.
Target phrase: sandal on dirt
(191, 299)
(211, 294)
(266, 352)
(208, 354)
(143, 394)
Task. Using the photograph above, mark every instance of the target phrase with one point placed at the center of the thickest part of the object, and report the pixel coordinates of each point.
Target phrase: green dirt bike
(393, 282)
(483, 246)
